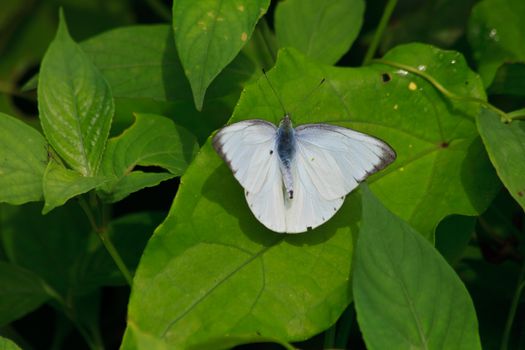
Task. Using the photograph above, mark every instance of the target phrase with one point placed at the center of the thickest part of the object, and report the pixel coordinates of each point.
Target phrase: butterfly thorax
(286, 152)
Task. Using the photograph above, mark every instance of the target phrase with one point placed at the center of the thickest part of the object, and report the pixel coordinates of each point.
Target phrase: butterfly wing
(330, 162)
(249, 149)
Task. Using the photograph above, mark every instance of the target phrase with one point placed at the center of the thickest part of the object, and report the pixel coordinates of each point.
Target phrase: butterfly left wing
(330, 162)
(248, 147)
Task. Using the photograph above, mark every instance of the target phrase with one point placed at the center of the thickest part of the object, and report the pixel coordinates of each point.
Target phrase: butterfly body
(286, 142)
(304, 183)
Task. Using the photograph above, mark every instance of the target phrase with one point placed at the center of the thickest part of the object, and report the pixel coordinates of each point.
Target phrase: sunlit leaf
(209, 34)
(75, 104)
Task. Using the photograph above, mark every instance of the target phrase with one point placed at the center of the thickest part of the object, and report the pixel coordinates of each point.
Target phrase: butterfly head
(286, 122)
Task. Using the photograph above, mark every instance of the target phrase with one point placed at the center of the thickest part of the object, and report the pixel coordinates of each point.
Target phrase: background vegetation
(106, 109)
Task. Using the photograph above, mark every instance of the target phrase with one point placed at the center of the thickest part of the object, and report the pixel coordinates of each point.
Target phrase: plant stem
(387, 12)
(115, 255)
(513, 307)
(518, 114)
(329, 337)
(345, 325)
(504, 117)
(102, 235)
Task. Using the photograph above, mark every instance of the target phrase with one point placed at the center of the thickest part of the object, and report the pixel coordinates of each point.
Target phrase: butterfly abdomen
(286, 152)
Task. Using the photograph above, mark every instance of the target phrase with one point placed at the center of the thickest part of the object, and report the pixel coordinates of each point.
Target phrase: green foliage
(75, 104)
(508, 156)
(22, 164)
(323, 30)
(209, 34)
(497, 33)
(130, 109)
(151, 141)
(406, 295)
(6, 344)
(21, 291)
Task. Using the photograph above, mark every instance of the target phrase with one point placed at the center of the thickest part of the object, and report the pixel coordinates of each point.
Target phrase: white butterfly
(295, 179)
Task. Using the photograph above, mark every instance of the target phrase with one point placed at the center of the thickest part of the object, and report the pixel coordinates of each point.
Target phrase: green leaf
(505, 145)
(322, 30)
(496, 33)
(21, 291)
(61, 184)
(7, 344)
(211, 265)
(75, 104)
(209, 34)
(212, 255)
(23, 158)
(152, 140)
(406, 294)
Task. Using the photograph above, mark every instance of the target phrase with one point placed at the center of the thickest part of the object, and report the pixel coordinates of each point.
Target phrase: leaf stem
(387, 12)
(513, 307)
(504, 116)
(518, 114)
(101, 232)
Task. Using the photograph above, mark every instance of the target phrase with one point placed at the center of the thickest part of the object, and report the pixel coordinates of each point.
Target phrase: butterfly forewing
(248, 147)
(337, 158)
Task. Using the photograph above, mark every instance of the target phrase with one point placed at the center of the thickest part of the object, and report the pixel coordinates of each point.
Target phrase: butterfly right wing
(249, 149)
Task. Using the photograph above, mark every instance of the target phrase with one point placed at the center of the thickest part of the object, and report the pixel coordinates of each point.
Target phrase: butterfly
(295, 179)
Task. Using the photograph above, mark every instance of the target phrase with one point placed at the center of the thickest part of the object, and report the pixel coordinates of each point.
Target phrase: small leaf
(406, 294)
(23, 158)
(152, 140)
(322, 30)
(75, 104)
(21, 291)
(505, 144)
(61, 184)
(209, 34)
(496, 33)
(7, 344)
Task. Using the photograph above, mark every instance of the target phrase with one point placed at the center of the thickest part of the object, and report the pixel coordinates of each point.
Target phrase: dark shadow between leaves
(478, 177)
(222, 188)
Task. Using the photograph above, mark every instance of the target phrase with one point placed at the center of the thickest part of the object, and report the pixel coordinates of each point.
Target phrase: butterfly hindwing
(337, 159)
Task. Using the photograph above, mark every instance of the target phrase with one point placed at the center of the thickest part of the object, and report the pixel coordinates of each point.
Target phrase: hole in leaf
(444, 144)
(386, 77)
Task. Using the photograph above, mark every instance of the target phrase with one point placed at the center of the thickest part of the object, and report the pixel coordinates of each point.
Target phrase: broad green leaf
(322, 30)
(496, 34)
(505, 145)
(23, 158)
(406, 294)
(21, 291)
(212, 255)
(209, 34)
(142, 62)
(7, 344)
(61, 184)
(152, 140)
(75, 104)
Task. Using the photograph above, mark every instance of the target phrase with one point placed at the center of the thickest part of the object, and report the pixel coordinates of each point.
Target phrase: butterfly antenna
(310, 93)
(275, 92)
